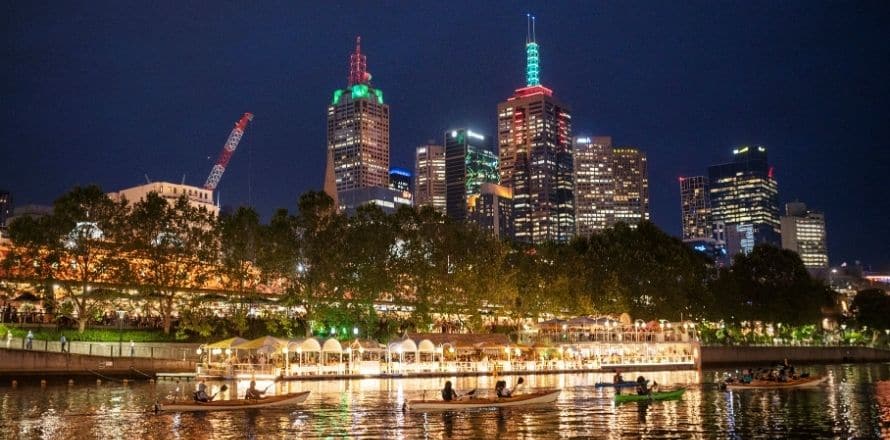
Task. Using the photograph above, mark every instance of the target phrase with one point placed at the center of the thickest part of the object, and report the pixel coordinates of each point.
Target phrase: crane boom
(226, 154)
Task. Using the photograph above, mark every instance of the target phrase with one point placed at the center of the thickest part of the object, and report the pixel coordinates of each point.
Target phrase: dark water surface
(851, 405)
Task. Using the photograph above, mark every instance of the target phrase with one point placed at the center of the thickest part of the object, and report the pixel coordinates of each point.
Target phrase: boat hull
(240, 404)
(625, 384)
(667, 395)
(809, 382)
(536, 398)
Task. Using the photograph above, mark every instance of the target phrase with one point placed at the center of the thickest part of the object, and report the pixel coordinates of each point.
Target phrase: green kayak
(665, 395)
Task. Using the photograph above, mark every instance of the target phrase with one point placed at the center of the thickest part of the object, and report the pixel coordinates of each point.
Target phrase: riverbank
(724, 356)
(23, 363)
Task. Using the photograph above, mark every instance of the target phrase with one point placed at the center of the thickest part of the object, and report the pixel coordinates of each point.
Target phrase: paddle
(470, 393)
(516, 385)
(221, 389)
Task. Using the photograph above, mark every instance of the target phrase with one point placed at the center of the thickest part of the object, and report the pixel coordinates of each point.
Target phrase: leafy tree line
(330, 270)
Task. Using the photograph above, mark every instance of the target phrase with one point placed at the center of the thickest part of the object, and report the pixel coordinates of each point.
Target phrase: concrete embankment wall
(32, 363)
(712, 356)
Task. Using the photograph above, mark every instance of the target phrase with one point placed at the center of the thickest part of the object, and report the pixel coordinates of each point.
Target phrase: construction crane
(228, 149)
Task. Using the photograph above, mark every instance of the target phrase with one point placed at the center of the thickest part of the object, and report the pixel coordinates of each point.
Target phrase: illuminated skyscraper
(429, 176)
(745, 195)
(803, 231)
(400, 179)
(594, 184)
(358, 133)
(469, 162)
(534, 140)
(5, 207)
(695, 208)
(631, 200)
(493, 210)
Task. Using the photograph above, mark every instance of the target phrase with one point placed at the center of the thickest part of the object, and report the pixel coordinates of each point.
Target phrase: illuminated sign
(472, 134)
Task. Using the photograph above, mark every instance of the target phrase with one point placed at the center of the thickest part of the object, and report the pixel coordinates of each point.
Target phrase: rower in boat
(617, 379)
(501, 390)
(448, 393)
(201, 395)
(253, 393)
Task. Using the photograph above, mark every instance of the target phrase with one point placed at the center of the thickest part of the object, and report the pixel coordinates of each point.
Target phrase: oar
(516, 385)
(221, 389)
(470, 393)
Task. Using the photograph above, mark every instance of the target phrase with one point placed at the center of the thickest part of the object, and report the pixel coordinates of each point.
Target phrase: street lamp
(120, 333)
(355, 331)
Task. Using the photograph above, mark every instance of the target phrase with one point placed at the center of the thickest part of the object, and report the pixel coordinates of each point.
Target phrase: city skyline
(124, 133)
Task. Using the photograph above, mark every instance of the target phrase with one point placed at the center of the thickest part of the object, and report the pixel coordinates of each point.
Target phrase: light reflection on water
(850, 405)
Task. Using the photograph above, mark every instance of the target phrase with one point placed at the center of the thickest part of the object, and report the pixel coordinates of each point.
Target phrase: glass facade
(429, 176)
(695, 208)
(744, 192)
(469, 163)
(594, 184)
(631, 200)
(803, 231)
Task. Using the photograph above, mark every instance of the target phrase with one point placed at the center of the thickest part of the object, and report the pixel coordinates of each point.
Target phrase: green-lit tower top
(359, 77)
(532, 70)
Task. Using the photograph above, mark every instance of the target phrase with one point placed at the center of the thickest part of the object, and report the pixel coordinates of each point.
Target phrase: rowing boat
(624, 384)
(806, 382)
(663, 395)
(238, 404)
(539, 397)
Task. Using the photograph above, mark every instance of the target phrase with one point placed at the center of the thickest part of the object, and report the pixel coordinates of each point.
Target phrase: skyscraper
(493, 210)
(594, 184)
(400, 179)
(358, 133)
(695, 208)
(5, 207)
(429, 176)
(803, 231)
(534, 139)
(469, 162)
(745, 196)
(631, 200)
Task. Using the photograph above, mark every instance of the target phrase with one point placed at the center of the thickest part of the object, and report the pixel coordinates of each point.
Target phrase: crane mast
(226, 154)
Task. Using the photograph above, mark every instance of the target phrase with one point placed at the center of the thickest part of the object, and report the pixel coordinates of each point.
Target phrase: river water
(853, 404)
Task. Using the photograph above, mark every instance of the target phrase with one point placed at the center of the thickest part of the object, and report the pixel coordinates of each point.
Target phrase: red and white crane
(226, 154)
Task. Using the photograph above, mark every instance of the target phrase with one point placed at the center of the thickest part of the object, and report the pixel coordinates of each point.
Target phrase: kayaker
(617, 379)
(642, 388)
(500, 388)
(201, 394)
(253, 393)
(448, 393)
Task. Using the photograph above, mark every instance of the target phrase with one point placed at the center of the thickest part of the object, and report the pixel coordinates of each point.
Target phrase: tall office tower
(745, 195)
(631, 200)
(5, 207)
(493, 210)
(594, 184)
(535, 143)
(429, 176)
(468, 164)
(803, 231)
(400, 179)
(695, 208)
(358, 133)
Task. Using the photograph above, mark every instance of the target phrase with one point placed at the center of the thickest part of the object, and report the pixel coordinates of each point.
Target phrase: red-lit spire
(358, 65)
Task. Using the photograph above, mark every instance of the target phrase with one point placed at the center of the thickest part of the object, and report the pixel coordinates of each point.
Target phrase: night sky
(107, 92)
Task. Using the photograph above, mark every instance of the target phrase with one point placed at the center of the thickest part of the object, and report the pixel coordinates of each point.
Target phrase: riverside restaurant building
(578, 344)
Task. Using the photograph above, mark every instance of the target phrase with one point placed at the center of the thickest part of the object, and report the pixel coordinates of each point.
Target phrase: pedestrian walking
(63, 341)
(29, 340)
(132, 348)
(8, 338)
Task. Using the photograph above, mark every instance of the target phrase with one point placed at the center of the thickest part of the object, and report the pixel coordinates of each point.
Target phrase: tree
(321, 229)
(770, 284)
(171, 249)
(239, 238)
(871, 307)
(77, 247)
